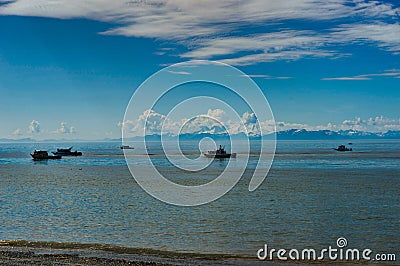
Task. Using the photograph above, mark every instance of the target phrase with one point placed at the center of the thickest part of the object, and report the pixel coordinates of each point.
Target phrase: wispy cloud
(384, 35)
(179, 72)
(392, 73)
(262, 76)
(287, 45)
(211, 29)
(296, 44)
(348, 78)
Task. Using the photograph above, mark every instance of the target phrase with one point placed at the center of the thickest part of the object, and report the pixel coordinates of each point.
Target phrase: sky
(68, 68)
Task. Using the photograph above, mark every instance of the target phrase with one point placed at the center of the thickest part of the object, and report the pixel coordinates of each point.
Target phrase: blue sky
(69, 68)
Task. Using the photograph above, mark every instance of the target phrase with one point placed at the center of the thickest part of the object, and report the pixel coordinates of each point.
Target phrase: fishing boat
(43, 155)
(219, 154)
(125, 147)
(342, 148)
(67, 152)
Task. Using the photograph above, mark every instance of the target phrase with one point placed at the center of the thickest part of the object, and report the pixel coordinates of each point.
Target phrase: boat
(43, 155)
(67, 152)
(126, 147)
(219, 154)
(342, 148)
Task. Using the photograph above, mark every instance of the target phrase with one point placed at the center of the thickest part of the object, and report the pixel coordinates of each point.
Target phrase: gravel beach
(30, 258)
(26, 255)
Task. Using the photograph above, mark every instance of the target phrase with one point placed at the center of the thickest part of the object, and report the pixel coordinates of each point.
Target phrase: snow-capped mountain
(303, 134)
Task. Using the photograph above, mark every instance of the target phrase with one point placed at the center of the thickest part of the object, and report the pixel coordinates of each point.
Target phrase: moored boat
(43, 155)
(67, 152)
(342, 148)
(220, 153)
(126, 147)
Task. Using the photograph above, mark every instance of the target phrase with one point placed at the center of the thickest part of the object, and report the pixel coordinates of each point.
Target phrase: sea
(312, 196)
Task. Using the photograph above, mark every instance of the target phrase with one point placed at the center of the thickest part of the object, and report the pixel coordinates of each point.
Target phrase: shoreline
(21, 252)
(37, 257)
(13, 257)
(30, 257)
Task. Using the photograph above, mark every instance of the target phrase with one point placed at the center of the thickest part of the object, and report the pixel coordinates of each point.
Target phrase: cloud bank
(215, 121)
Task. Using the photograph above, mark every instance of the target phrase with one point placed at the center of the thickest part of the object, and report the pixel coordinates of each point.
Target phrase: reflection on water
(311, 197)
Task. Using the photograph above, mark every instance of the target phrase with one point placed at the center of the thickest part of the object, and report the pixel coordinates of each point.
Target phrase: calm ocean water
(312, 196)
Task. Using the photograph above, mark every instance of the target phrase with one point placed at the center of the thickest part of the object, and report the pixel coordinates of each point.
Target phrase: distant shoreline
(292, 134)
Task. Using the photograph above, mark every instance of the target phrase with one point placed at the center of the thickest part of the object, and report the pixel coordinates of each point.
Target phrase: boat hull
(75, 153)
(220, 156)
(50, 157)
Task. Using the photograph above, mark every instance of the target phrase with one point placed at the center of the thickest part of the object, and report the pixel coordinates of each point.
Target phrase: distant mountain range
(292, 134)
(18, 140)
(302, 134)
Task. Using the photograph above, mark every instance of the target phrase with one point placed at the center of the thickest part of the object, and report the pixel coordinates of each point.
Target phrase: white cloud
(387, 73)
(385, 35)
(249, 118)
(391, 73)
(203, 124)
(17, 132)
(295, 44)
(288, 45)
(251, 125)
(217, 114)
(34, 127)
(211, 122)
(65, 129)
(153, 121)
(216, 122)
(275, 41)
(373, 124)
(377, 124)
(256, 76)
(348, 78)
(269, 77)
(291, 55)
(150, 120)
(126, 124)
(179, 72)
(207, 28)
